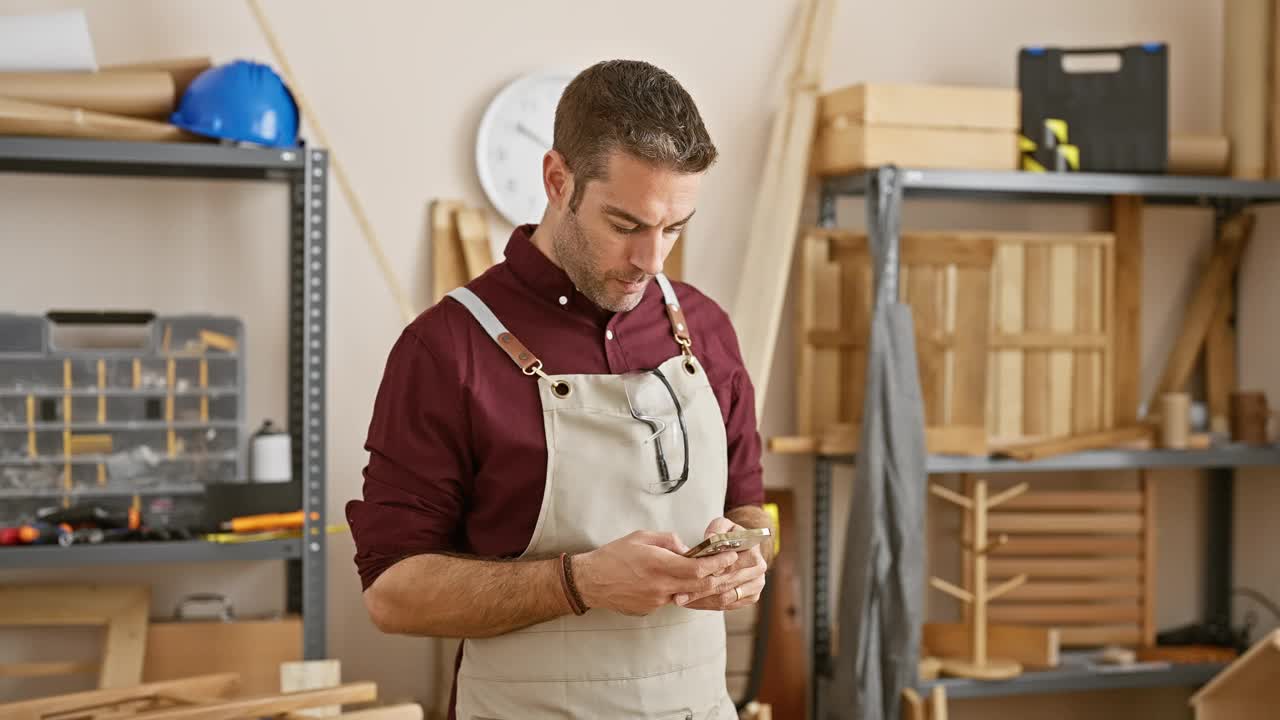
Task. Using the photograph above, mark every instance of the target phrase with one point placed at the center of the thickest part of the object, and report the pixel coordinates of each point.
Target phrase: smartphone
(736, 540)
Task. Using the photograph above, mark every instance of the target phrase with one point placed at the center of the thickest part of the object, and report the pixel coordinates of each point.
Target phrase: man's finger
(721, 583)
(720, 525)
(667, 541)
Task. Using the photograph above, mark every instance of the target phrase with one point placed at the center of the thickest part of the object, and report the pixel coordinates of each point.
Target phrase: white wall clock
(515, 132)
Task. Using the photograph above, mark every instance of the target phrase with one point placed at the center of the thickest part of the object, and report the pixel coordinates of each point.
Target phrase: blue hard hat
(240, 100)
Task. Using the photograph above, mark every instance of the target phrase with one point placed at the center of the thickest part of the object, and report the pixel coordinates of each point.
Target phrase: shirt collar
(548, 280)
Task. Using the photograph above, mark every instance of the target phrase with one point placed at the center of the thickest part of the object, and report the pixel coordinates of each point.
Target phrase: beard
(578, 258)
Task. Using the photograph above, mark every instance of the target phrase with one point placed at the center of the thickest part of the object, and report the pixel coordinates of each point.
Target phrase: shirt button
(608, 334)
(564, 300)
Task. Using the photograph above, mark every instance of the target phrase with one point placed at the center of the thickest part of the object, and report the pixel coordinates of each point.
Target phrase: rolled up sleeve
(419, 465)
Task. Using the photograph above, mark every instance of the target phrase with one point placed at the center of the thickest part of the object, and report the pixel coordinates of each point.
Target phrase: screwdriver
(268, 521)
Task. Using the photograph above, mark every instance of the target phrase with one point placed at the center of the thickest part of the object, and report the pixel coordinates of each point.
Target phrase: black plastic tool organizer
(101, 407)
(1118, 119)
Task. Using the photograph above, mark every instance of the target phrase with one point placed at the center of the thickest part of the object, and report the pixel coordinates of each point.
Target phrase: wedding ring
(737, 594)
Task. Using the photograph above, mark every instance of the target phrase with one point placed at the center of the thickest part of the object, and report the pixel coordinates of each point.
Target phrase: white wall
(400, 87)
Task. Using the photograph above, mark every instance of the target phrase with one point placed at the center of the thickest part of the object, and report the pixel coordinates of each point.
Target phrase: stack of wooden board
(863, 126)
(1089, 558)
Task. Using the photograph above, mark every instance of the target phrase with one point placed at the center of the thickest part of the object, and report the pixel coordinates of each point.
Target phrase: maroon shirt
(457, 452)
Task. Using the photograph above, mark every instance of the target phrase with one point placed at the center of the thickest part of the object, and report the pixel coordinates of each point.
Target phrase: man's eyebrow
(624, 215)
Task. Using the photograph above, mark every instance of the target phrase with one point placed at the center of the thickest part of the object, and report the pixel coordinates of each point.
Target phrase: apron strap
(519, 354)
(679, 327)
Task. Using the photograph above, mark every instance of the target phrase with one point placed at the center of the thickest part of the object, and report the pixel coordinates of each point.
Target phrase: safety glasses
(653, 402)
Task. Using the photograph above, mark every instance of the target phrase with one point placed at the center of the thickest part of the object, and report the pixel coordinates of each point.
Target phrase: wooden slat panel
(1050, 341)
(1008, 403)
(1034, 522)
(1074, 614)
(1064, 568)
(742, 620)
(1060, 591)
(1101, 635)
(1086, 381)
(1126, 313)
(971, 355)
(1036, 300)
(855, 299)
(1070, 545)
(1075, 500)
(923, 292)
(817, 402)
(1148, 558)
(740, 650)
(1062, 310)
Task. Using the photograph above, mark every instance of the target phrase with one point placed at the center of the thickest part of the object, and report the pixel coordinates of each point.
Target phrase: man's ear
(557, 180)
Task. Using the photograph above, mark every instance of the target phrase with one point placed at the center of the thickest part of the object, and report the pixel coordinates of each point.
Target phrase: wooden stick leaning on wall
(353, 201)
(757, 310)
(1233, 238)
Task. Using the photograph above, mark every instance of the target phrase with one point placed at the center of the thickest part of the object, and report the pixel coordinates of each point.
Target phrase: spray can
(270, 455)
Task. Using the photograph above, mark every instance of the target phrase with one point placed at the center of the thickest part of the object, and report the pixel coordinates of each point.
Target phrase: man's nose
(647, 253)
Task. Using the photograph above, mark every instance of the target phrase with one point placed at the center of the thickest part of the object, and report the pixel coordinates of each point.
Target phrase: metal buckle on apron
(686, 346)
(559, 388)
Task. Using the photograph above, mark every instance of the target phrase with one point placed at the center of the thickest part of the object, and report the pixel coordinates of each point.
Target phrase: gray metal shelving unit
(305, 170)
(884, 189)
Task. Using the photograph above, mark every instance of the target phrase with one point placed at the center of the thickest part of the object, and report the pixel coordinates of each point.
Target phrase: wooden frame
(122, 609)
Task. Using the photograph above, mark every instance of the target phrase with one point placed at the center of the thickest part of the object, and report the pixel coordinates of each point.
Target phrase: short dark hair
(632, 106)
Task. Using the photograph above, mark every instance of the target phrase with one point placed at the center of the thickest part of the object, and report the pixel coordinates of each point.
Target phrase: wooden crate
(946, 281)
(933, 126)
(1052, 339)
(1090, 560)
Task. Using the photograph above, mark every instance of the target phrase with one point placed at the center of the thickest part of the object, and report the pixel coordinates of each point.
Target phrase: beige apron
(667, 665)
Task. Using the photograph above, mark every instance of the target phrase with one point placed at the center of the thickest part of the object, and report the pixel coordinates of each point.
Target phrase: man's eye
(674, 230)
(625, 230)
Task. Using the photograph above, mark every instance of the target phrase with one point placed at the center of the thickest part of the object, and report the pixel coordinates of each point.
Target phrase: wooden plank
(842, 439)
(46, 669)
(1050, 341)
(401, 711)
(1107, 363)
(1214, 283)
(473, 233)
(1148, 558)
(917, 105)
(1066, 614)
(1086, 413)
(1049, 522)
(311, 675)
(1062, 290)
(1246, 38)
(253, 648)
(971, 355)
(856, 285)
(1037, 301)
(448, 267)
(1252, 675)
(793, 445)
(268, 705)
(1076, 500)
(1008, 401)
(921, 248)
(213, 686)
(757, 310)
(785, 679)
(999, 567)
(1220, 360)
(912, 705)
(923, 291)
(1099, 635)
(1063, 591)
(1035, 647)
(124, 647)
(1126, 309)
(1076, 443)
(1070, 545)
(819, 312)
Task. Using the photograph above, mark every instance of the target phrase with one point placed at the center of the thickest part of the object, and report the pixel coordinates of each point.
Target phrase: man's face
(623, 230)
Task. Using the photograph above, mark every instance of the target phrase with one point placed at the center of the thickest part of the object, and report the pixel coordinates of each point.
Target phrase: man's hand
(743, 581)
(639, 573)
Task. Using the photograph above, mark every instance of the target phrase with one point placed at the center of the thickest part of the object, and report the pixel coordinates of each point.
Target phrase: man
(549, 441)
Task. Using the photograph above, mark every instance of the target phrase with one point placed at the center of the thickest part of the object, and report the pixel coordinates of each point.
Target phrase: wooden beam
(448, 267)
(1126, 309)
(220, 685)
(1065, 568)
(1065, 522)
(1214, 284)
(1077, 500)
(268, 704)
(473, 233)
(1076, 443)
